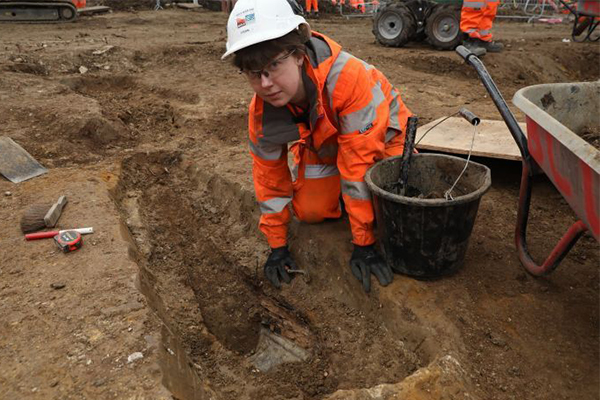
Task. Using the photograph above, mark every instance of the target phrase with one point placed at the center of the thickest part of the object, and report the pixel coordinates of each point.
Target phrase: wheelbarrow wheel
(394, 25)
(443, 27)
(581, 25)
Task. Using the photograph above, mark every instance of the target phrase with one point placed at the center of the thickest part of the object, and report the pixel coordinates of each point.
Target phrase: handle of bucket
(409, 147)
(469, 116)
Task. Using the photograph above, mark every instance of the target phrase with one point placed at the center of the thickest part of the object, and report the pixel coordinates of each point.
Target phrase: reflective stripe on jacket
(355, 118)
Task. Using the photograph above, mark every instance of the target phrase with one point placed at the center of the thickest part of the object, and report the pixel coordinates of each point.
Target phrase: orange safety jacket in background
(358, 4)
(355, 118)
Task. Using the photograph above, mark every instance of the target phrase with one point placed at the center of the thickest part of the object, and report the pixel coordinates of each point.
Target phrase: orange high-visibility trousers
(317, 189)
(317, 199)
(316, 185)
(477, 17)
(312, 5)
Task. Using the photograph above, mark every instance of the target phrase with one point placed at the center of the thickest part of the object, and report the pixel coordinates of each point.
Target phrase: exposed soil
(591, 134)
(143, 127)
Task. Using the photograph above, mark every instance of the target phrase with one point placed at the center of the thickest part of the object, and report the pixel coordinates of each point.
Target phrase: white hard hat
(255, 21)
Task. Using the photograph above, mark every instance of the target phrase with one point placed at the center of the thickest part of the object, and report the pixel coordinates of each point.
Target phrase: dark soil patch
(29, 68)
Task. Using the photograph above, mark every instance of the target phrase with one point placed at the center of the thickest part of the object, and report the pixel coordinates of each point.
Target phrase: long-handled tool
(409, 147)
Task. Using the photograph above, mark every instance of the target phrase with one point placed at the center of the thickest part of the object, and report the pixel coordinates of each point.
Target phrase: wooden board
(493, 139)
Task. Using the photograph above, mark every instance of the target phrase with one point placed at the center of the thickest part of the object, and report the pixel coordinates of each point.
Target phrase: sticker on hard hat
(246, 20)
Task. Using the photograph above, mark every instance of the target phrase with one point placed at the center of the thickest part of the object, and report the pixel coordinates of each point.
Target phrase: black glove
(365, 261)
(275, 266)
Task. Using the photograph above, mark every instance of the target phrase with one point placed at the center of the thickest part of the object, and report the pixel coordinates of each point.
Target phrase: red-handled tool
(51, 234)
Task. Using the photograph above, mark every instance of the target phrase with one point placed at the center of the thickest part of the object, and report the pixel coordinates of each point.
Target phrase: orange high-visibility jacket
(356, 117)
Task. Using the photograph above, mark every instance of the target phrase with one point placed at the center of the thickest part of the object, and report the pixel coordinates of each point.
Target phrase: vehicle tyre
(67, 13)
(394, 25)
(443, 27)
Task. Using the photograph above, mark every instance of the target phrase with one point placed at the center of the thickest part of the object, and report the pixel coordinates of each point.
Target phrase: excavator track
(37, 11)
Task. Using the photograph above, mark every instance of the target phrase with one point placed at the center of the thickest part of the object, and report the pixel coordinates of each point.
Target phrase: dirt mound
(230, 127)
(523, 68)
(63, 139)
(100, 131)
(28, 68)
(438, 65)
(142, 110)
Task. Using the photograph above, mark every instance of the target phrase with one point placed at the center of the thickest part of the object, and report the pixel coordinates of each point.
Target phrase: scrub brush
(40, 216)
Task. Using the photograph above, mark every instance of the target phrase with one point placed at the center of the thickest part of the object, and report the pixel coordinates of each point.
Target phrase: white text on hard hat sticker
(245, 20)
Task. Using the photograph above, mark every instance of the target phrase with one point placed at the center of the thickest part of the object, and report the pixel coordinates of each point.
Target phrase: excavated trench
(226, 332)
(191, 216)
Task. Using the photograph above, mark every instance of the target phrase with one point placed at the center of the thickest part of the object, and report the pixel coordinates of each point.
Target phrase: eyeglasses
(272, 70)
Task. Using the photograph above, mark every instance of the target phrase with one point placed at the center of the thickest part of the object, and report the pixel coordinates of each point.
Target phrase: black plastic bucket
(426, 237)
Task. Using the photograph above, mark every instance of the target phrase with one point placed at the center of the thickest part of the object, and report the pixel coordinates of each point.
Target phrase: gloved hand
(365, 261)
(275, 266)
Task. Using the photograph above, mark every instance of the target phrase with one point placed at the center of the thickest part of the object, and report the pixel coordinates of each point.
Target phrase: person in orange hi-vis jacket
(312, 7)
(476, 19)
(331, 113)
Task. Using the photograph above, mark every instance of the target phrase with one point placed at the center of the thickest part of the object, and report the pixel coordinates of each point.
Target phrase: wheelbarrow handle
(469, 116)
(464, 52)
(507, 115)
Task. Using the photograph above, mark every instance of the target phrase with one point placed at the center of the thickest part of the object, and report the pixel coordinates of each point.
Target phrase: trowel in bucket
(409, 147)
(409, 144)
(16, 164)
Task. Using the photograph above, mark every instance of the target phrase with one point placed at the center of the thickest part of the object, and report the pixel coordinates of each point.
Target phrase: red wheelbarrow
(587, 14)
(556, 114)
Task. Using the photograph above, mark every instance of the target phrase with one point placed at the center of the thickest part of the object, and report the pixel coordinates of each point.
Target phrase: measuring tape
(68, 241)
